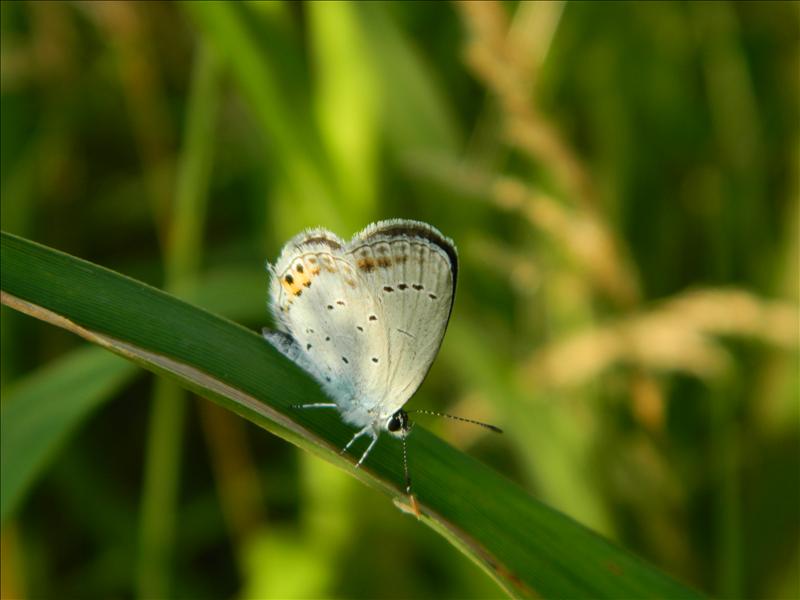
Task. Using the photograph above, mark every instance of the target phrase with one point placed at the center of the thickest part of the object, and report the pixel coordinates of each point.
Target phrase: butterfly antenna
(413, 504)
(405, 467)
(455, 418)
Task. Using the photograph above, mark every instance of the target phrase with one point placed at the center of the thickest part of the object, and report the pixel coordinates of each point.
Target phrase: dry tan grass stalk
(505, 60)
(531, 34)
(678, 336)
(582, 236)
(508, 58)
(647, 401)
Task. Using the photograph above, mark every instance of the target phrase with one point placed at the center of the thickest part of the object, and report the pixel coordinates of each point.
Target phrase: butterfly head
(398, 424)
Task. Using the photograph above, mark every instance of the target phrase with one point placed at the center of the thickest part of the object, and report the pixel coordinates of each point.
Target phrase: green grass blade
(529, 549)
(346, 103)
(42, 410)
(262, 59)
(417, 116)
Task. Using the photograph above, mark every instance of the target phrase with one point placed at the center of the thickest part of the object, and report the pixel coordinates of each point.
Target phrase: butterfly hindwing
(319, 300)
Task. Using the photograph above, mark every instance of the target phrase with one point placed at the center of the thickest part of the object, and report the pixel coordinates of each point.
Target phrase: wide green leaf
(528, 548)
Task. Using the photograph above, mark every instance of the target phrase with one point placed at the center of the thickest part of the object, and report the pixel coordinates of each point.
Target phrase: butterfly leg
(354, 438)
(368, 450)
(316, 405)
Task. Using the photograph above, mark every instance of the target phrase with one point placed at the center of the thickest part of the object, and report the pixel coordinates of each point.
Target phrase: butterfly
(366, 318)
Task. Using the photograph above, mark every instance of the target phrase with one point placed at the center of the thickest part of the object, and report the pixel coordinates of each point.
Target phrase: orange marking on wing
(329, 264)
(366, 264)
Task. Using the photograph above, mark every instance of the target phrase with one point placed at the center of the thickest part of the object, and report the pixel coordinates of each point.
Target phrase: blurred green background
(621, 180)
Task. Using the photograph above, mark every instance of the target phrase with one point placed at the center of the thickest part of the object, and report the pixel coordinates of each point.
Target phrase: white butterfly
(365, 318)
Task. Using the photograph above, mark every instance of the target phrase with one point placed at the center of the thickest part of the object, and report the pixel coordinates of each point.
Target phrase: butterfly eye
(394, 424)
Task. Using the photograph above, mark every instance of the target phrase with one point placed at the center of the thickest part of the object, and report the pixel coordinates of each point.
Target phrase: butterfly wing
(322, 309)
(411, 269)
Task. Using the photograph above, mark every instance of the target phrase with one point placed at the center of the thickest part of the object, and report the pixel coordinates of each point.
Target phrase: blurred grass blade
(528, 548)
(238, 293)
(347, 103)
(262, 58)
(41, 412)
(416, 114)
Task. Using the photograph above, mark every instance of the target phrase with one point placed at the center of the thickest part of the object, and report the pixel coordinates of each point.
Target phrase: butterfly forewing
(408, 267)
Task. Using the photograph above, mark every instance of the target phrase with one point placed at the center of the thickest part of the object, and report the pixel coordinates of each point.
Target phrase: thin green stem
(159, 497)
